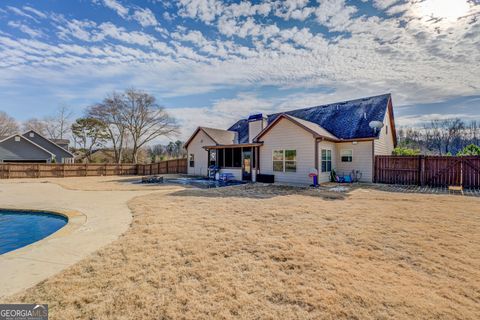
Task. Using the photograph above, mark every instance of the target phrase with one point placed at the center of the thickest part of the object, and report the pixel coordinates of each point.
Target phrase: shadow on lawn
(262, 191)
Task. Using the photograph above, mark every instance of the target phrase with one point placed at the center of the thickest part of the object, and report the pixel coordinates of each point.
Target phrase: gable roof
(316, 130)
(50, 141)
(344, 120)
(219, 136)
(27, 140)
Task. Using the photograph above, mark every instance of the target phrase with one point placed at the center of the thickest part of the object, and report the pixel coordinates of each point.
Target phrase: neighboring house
(33, 147)
(291, 144)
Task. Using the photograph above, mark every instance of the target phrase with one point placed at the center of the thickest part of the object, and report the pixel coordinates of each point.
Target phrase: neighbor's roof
(6, 138)
(219, 136)
(344, 120)
(60, 141)
(51, 142)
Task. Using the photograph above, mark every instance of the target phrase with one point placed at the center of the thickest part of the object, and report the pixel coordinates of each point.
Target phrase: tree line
(440, 137)
(123, 124)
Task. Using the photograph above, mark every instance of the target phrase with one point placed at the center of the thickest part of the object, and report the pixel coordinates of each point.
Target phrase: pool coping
(75, 219)
(96, 218)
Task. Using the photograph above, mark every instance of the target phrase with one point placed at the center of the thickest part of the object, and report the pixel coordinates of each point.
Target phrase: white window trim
(341, 155)
(190, 161)
(331, 160)
(284, 160)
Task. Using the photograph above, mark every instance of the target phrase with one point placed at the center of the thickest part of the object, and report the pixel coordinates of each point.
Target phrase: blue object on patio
(212, 171)
(227, 176)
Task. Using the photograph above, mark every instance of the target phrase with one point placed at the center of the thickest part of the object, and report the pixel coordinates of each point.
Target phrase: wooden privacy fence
(435, 171)
(163, 167)
(52, 170)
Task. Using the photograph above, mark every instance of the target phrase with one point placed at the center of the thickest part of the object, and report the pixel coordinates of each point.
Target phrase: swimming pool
(21, 228)
(203, 183)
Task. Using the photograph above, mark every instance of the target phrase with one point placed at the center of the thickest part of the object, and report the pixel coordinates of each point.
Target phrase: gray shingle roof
(221, 136)
(345, 120)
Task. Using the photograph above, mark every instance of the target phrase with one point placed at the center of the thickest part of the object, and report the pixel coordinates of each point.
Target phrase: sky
(212, 62)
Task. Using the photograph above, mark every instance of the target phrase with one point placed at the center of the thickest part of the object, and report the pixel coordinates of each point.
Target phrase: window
(290, 160)
(237, 157)
(192, 160)
(220, 153)
(278, 160)
(386, 129)
(213, 157)
(228, 158)
(31, 135)
(346, 155)
(326, 160)
(284, 160)
(233, 158)
(17, 139)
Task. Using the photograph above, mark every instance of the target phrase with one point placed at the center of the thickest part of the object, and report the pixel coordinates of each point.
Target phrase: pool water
(21, 228)
(203, 183)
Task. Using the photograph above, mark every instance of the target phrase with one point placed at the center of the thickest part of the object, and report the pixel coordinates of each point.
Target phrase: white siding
(201, 155)
(362, 159)
(286, 135)
(325, 176)
(384, 144)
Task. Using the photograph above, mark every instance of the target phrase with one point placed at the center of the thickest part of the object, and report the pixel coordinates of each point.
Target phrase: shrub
(399, 151)
(470, 150)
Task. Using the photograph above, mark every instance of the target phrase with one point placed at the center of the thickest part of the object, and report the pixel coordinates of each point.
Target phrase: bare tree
(433, 136)
(452, 132)
(8, 125)
(145, 120)
(58, 125)
(109, 112)
(36, 125)
(474, 132)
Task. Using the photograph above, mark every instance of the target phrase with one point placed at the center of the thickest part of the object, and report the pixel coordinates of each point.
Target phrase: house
(344, 137)
(35, 148)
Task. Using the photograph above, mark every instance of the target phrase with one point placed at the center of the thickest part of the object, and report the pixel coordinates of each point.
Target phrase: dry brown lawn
(257, 252)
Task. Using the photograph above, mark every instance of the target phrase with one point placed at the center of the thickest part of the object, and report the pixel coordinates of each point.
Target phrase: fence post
(178, 165)
(421, 173)
(166, 162)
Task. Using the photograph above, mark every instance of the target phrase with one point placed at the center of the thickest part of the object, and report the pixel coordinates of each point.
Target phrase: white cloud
(241, 46)
(35, 11)
(25, 29)
(121, 10)
(19, 12)
(205, 10)
(145, 17)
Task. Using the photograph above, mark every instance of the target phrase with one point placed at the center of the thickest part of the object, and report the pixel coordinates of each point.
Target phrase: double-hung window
(326, 160)
(191, 160)
(346, 155)
(284, 160)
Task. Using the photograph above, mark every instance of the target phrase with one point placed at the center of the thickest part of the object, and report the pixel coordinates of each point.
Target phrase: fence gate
(435, 171)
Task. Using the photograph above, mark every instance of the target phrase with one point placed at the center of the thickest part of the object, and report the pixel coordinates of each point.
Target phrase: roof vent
(365, 115)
